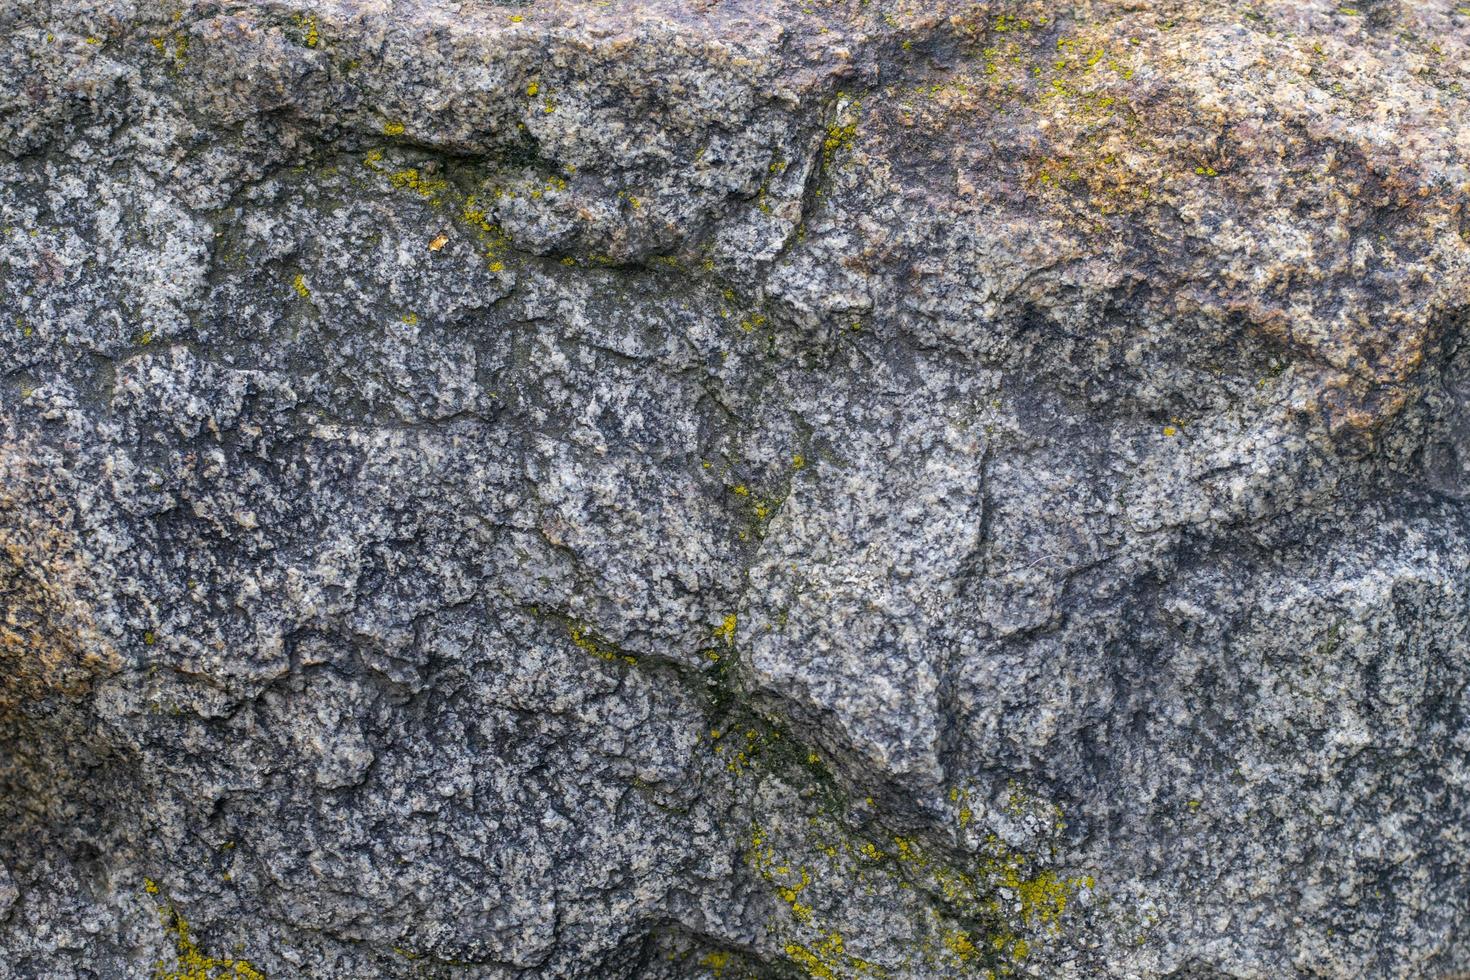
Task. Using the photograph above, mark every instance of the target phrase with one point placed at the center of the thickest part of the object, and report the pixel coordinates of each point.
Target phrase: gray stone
(8, 892)
(716, 489)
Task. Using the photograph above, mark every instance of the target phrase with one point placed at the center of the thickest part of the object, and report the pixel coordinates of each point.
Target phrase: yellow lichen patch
(809, 961)
(741, 758)
(715, 962)
(790, 895)
(392, 128)
(1044, 898)
(813, 945)
(790, 883)
(492, 238)
(908, 849)
(299, 284)
(589, 644)
(958, 942)
(1005, 23)
(828, 959)
(410, 179)
(726, 629)
(190, 962)
(980, 915)
(838, 138)
(311, 34)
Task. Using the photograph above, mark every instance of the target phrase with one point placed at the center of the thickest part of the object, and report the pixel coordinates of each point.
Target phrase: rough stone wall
(734, 488)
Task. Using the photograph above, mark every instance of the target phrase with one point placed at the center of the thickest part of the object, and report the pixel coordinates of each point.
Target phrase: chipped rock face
(717, 489)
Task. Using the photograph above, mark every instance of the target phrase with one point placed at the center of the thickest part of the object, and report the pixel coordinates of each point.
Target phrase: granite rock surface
(734, 488)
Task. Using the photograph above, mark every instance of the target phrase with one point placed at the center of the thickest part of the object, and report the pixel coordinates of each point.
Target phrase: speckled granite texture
(734, 488)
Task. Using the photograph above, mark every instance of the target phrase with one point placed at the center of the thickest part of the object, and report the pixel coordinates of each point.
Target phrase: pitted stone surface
(717, 488)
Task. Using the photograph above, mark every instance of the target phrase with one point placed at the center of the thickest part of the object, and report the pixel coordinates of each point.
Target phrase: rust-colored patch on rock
(1250, 167)
(48, 644)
